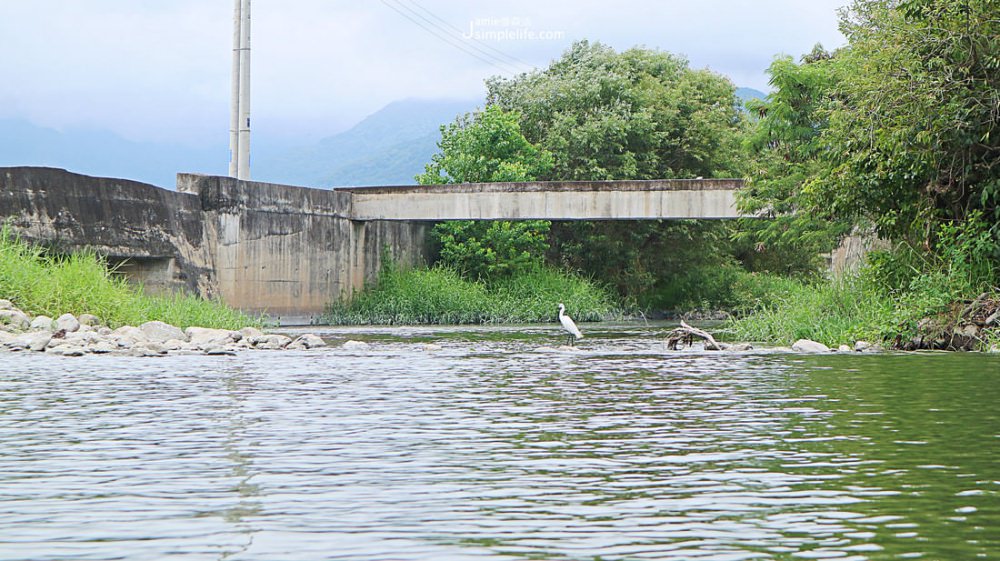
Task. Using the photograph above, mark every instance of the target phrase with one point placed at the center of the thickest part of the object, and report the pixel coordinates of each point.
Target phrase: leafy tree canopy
(487, 147)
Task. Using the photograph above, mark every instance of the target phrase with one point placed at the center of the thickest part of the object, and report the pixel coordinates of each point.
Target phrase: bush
(81, 283)
(441, 296)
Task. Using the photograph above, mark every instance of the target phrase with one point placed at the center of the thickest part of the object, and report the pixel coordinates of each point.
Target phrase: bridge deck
(562, 200)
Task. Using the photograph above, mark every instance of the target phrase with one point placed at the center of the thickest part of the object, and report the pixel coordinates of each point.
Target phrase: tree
(478, 148)
(784, 154)
(639, 114)
(913, 138)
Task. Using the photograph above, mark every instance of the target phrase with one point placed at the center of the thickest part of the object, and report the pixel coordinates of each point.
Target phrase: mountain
(389, 147)
(102, 153)
(745, 94)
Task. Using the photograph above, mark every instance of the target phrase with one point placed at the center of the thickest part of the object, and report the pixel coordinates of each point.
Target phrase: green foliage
(80, 283)
(882, 301)
(784, 154)
(638, 114)
(912, 137)
(487, 250)
(487, 147)
(441, 296)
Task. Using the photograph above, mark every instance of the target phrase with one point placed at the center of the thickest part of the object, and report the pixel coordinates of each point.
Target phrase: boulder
(356, 345)
(808, 346)
(739, 347)
(65, 350)
(42, 323)
(248, 332)
(128, 336)
(159, 332)
(270, 342)
(7, 305)
(14, 320)
(307, 341)
(89, 319)
(67, 323)
(32, 341)
(204, 337)
(862, 346)
(845, 349)
(102, 347)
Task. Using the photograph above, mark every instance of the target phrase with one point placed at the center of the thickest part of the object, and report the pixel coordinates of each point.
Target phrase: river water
(500, 445)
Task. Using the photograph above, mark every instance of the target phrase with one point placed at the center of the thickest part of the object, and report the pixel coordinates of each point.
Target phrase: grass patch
(441, 296)
(80, 283)
(882, 302)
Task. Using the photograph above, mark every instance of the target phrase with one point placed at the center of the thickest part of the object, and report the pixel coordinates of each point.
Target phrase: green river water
(495, 443)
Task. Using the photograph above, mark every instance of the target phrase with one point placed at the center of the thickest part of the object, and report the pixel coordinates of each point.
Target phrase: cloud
(154, 70)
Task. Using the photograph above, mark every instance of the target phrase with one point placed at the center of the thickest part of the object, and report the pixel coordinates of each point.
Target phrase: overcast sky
(159, 69)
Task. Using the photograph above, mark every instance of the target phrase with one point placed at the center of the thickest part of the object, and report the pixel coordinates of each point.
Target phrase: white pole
(243, 171)
(234, 107)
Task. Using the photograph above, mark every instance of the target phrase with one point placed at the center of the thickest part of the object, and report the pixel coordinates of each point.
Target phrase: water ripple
(498, 446)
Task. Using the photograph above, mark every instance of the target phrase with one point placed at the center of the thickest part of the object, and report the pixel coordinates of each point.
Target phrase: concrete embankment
(259, 247)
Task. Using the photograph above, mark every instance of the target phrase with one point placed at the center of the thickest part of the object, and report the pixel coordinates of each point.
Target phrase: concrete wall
(562, 200)
(286, 251)
(293, 248)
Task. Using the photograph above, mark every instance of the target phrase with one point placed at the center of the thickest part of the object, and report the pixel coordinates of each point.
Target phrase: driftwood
(685, 334)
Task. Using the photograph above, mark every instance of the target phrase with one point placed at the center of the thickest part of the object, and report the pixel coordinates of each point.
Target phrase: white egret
(568, 325)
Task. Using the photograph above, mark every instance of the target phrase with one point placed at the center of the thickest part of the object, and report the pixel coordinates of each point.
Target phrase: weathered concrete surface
(161, 233)
(288, 251)
(564, 200)
(293, 248)
(281, 250)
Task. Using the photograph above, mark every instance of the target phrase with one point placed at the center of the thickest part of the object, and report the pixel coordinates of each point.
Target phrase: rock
(807, 346)
(14, 320)
(862, 346)
(128, 336)
(993, 319)
(358, 345)
(739, 347)
(150, 348)
(270, 342)
(844, 349)
(68, 323)
(102, 347)
(104, 331)
(431, 347)
(65, 350)
(32, 341)
(204, 337)
(248, 332)
(307, 341)
(219, 351)
(42, 323)
(177, 345)
(89, 319)
(7, 305)
(159, 332)
(83, 338)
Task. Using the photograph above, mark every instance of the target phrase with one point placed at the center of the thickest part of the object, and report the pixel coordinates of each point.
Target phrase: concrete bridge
(288, 251)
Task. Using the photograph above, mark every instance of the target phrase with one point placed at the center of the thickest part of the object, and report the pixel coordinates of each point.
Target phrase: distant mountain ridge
(103, 153)
(389, 147)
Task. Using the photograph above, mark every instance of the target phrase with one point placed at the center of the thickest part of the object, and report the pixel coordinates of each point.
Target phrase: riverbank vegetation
(895, 136)
(42, 283)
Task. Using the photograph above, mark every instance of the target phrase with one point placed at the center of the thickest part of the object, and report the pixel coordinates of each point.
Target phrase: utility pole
(239, 121)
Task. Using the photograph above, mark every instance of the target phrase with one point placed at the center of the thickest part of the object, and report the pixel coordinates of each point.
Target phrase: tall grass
(884, 301)
(441, 296)
(80, 283)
